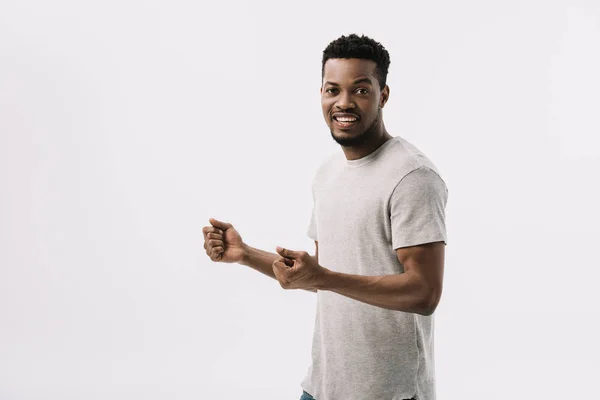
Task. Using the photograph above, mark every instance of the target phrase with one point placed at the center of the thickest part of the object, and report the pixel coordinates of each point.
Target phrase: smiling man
(378, 223)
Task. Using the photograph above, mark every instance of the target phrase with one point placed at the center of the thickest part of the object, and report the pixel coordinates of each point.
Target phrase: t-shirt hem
(417, 242)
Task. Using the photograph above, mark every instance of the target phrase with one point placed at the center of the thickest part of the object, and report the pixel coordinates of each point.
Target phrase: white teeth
(346, 119)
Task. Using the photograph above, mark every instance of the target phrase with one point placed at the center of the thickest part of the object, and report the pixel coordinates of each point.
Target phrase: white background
(125, 125)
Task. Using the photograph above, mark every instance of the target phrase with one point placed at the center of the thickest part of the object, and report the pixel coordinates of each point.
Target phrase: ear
(385, 95)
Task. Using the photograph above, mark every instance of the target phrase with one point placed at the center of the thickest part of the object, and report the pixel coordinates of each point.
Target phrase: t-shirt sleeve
(312, 226)
(417, 209)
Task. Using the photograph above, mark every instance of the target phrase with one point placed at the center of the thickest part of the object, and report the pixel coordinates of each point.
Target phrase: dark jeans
(306, 396)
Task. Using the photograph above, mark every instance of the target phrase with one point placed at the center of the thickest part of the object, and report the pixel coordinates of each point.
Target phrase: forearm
(401, 292)
(261, 261)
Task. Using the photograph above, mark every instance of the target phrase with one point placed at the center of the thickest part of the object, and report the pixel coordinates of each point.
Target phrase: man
(378, 223)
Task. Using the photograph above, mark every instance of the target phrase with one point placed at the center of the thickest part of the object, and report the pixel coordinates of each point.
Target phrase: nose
(345, 101)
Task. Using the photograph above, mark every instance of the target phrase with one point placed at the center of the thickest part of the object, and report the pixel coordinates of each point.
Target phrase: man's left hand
(298, 270)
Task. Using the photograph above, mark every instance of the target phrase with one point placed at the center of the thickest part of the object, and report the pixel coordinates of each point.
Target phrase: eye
(331, 90)
(362, 91)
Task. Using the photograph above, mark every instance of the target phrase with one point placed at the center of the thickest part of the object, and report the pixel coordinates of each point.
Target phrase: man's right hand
(222, 242)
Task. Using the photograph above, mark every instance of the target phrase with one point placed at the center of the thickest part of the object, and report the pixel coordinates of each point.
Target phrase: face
(352, 100)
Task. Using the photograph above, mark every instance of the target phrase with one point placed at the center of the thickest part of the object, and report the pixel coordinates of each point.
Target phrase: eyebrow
(359, 80)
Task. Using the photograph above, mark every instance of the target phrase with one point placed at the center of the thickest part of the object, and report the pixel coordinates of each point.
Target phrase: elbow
(429, 302)
(427, 311)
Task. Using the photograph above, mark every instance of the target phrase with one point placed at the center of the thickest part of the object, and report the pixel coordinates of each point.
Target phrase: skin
(349, 86)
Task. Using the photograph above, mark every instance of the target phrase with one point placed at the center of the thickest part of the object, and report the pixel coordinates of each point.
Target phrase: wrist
(327, 277)
(245, 258)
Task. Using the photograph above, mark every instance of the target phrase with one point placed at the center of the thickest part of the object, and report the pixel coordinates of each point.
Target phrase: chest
(349, 208)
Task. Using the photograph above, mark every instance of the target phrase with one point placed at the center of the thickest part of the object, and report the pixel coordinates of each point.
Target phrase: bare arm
(417, 290)
(223, 243)
(262, 261)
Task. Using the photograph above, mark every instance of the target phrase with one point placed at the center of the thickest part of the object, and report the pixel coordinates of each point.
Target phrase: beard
(361, 138)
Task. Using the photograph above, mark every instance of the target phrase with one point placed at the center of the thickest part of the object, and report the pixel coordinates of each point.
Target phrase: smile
(345, 121)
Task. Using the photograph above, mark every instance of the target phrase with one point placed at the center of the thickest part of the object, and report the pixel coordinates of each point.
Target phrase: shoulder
(422, 178)
(405, 159)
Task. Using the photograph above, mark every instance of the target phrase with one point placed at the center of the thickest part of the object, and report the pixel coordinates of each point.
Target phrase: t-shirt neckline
(362, 161)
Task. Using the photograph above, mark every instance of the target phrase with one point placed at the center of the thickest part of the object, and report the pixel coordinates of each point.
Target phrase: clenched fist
(222, 242)
(298, 270)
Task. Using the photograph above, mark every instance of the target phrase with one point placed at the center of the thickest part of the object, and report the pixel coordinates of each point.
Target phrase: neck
(377, 136)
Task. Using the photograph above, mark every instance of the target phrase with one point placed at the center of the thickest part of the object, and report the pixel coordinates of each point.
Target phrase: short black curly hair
(363, 47)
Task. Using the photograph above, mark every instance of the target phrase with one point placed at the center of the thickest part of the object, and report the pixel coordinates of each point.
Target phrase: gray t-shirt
(363, 211)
